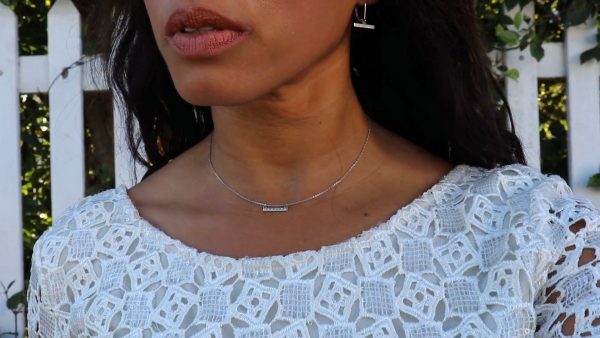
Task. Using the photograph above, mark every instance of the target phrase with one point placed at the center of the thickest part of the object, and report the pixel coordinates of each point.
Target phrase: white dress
(482, 253)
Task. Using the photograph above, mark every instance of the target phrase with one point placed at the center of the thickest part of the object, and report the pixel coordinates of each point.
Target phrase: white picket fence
(41, 74)
(34, 74)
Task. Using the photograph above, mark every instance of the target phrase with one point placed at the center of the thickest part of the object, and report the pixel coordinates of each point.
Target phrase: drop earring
(363, 21)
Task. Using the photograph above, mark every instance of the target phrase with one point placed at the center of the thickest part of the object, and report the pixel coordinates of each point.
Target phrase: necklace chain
(267, 207)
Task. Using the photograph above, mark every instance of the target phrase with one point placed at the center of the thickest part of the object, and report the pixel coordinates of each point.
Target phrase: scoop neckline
(425, 196)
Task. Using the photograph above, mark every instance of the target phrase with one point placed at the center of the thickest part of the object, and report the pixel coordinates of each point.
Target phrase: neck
(295, 141)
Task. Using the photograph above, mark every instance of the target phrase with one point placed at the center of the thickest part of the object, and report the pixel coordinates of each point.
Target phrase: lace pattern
(504, 252)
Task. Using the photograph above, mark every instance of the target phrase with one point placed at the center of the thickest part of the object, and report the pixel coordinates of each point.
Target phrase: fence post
(523, 94)
(583, 103)
(67, 159)
(11, 220)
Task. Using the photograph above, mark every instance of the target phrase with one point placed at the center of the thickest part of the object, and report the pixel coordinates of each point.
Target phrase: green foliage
(594, 181)
(35, 153)
(35, 135)
(553, 126)
(32, 16)
(521, 31)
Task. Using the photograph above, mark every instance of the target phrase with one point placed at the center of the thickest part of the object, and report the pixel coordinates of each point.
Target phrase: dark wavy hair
(423, 73)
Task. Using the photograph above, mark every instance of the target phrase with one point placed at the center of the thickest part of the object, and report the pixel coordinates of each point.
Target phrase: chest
(254, 233)
(380, 284)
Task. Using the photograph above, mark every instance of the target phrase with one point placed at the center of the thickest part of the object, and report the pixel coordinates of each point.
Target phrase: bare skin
(287, 125)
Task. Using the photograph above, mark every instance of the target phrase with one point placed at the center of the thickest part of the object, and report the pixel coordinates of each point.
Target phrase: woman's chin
(227, 94)
(213, 98)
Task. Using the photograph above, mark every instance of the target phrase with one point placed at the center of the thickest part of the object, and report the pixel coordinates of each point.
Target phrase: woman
(311, 177)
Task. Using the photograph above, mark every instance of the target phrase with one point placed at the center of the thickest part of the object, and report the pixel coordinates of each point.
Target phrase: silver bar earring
(363, 21)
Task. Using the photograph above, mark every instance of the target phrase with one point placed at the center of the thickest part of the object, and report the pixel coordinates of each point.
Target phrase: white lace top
(482, 253)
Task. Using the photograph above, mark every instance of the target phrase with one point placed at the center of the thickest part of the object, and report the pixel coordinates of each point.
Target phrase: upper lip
(197, 17)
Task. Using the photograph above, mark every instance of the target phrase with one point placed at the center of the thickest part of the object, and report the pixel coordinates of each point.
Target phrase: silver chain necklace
(266, 207)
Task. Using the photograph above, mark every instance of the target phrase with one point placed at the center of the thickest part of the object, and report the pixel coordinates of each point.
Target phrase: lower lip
(205, 44)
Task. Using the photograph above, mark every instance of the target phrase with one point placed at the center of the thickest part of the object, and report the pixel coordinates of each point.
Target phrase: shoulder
(64, 264)
(543, 200)
(94, 210)
(547, 200)
(539, 212)
(525, 188)
(73, 232)
(551, 233)
(510, 180)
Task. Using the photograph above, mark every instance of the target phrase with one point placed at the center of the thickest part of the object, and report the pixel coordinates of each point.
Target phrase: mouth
(199, 20)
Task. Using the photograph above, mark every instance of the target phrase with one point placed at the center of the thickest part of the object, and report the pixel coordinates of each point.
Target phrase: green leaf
(593, 53)
(594, 181)
(15, 302)
(536, 49)
(508, 37)
(578, 11)
(518, 20)
(9, 285)
(524, 43)
(512, 74)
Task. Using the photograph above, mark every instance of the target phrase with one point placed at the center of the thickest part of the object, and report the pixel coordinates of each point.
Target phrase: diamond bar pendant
(364, 25)
(275, 208)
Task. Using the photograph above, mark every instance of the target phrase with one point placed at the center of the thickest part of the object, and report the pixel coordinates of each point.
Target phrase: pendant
(275, 208)
(364, 25)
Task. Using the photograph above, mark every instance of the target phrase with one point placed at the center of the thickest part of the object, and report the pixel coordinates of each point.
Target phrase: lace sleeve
(568, 303)
(35, 305)
(47, 299)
